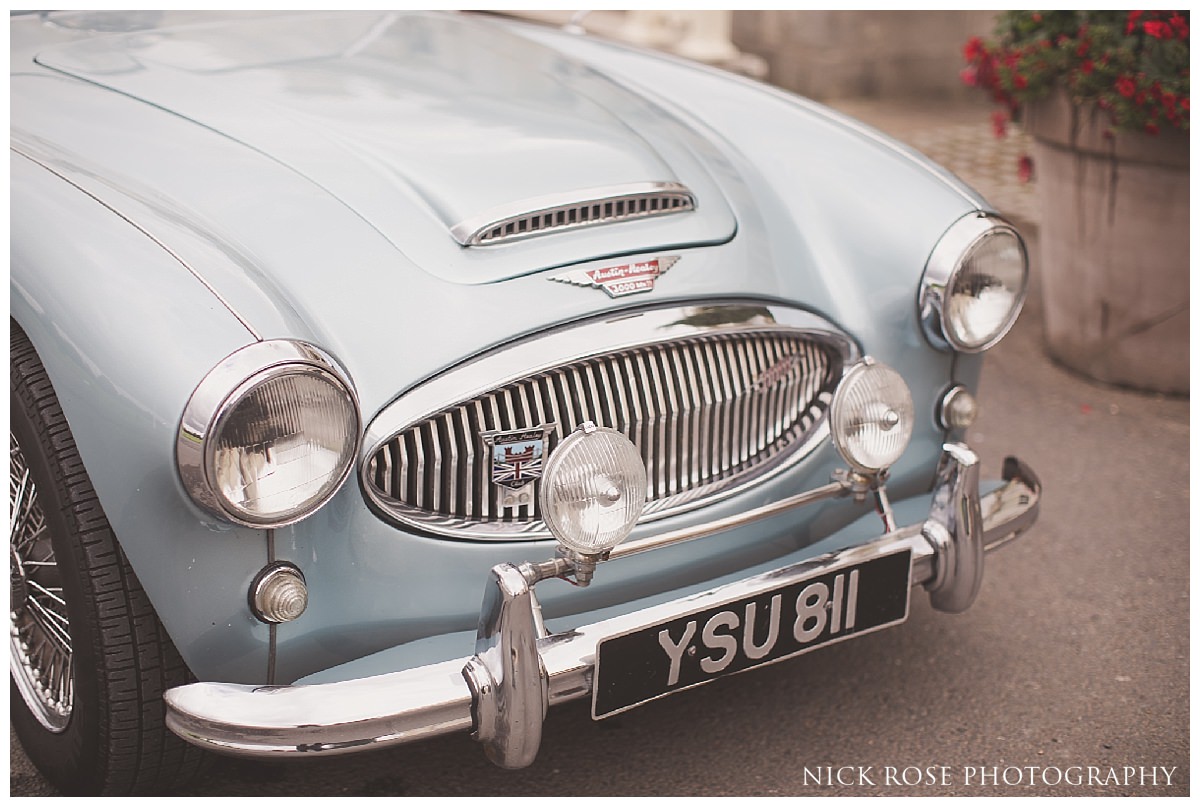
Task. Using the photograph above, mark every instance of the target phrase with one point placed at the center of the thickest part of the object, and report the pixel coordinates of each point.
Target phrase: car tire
(89, 659)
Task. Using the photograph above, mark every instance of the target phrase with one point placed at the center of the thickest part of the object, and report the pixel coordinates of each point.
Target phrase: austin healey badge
(617, 281)
(516, 458)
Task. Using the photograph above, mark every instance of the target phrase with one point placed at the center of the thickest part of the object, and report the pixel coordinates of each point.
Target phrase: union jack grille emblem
(517, 456)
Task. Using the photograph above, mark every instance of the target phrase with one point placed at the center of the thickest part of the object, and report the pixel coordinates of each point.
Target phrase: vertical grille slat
(482, 484)
(707, 438)
(462, 433)
(704, 413)
(636, 412)
(741, 409)
(721, 416)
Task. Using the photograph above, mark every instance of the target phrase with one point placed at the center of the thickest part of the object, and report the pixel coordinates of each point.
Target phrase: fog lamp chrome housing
(269, 435)
(974, 284)
(871, 416)
(593, 490)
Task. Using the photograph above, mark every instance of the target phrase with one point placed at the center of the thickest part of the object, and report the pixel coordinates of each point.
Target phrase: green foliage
(1134, 64)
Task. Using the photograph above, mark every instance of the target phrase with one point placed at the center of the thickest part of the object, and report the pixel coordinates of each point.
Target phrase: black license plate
(693, 649)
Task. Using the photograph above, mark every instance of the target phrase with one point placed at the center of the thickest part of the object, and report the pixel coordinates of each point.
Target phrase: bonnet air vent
(599, 206)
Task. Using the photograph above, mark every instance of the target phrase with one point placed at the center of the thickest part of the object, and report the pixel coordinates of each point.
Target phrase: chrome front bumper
(502, 693)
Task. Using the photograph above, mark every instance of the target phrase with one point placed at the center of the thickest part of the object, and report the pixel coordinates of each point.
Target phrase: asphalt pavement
(1069, 676)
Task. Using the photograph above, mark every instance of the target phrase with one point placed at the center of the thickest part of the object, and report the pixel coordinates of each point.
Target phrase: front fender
(125, 332)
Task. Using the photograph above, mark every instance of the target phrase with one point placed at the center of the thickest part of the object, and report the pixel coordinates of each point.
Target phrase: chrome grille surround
(572, 211)
(715, 396)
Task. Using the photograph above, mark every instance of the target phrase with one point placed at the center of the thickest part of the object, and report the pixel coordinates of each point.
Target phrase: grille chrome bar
(572, 211)
(710, 408)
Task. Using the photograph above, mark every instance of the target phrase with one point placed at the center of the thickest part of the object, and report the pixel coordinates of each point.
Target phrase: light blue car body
(180, 191)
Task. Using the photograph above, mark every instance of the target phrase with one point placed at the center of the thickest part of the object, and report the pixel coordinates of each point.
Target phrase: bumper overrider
(502, 693)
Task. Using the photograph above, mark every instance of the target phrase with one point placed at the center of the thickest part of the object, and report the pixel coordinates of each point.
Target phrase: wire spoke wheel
(89, 659)
(40, 657)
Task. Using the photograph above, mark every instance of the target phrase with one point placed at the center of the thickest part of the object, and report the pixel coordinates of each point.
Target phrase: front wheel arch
(114, 739)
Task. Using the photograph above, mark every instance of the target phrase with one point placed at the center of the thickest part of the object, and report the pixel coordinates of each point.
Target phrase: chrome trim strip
(213, 394)
(415, 704)
(572, 210)
(944, 264)
(187, 266)
(558, 364)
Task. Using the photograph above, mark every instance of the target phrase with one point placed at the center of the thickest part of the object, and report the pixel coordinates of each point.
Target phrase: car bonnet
(420, 123)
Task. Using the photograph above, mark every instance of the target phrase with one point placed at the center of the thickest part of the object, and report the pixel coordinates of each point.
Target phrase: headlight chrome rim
(945, 265)
(227, 385)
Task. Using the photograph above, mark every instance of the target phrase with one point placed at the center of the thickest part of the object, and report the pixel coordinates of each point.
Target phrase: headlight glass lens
(986, 292)
(871, 416)
(593, 490)
(282, 444)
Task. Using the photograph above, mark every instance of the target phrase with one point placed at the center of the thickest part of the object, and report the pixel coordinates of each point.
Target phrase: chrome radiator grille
(708, 415)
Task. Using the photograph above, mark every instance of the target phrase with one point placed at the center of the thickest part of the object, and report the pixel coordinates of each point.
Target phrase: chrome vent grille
(708, 414)
(612, 206)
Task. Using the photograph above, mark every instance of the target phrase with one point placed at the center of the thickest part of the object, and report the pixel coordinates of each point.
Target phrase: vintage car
(381, 375)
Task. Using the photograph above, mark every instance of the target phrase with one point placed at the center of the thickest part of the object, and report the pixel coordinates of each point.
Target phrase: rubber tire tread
(117, 742)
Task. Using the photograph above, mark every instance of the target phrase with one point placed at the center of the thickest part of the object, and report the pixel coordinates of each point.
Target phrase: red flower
(1024, 168)
(1126, 86)
(1152, 128)
(1082, 50)
(969, 76)
(1088, 66)
(1020, 82)
(1037, 17)
(973, 49)
(1131, 25)
(1140, 98)
(1168, 100)
(1185, 104)
(1180, 25)
(1158, 29)
(999, 124)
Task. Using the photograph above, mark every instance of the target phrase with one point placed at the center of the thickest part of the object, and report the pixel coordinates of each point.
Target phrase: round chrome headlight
(593, 490)
(871, 416)
(269, 435)
(974, 285)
